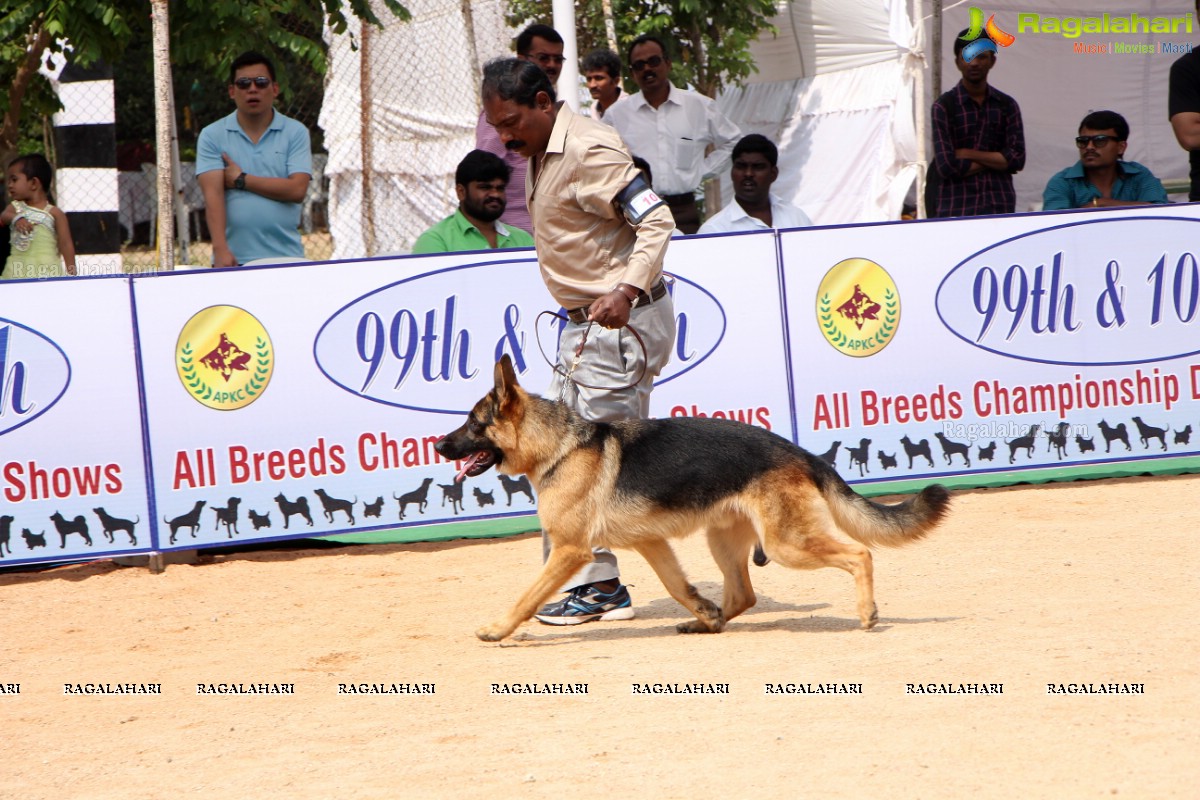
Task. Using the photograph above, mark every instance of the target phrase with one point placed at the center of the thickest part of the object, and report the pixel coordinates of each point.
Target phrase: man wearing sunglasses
(671, 128)
(541, 45)
(253, 168)
(1101, 177)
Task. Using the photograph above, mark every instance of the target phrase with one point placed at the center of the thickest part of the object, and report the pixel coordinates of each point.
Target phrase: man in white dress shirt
(671, 128)
(755, 207)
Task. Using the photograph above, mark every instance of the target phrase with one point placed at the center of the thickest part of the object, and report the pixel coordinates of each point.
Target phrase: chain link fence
(404, 113)
(201, 97)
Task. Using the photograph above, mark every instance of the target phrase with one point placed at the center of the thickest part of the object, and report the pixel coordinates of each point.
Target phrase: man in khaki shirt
(601, 234)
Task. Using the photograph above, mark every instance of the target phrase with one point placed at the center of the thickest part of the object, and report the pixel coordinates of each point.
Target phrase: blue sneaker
(586, 603)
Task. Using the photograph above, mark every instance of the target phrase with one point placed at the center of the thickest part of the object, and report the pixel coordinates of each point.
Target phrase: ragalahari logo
(983, 37)
(858, 307)
(224, 357)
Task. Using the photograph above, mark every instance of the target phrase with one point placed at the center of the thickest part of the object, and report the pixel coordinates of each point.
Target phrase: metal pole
(162, 128)
(921, 110)
(181, 213)
(936, 49)
(366, 143)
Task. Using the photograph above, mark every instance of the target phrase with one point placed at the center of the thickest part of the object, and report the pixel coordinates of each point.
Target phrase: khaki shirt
(585, 245)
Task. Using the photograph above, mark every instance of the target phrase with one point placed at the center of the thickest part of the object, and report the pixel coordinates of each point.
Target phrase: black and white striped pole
(85, 143)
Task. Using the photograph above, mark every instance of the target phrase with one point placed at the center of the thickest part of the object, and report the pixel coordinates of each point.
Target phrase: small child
(41, 237)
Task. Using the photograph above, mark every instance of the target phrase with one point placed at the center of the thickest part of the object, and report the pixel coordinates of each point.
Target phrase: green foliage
(39, 101)
(709, 40)
(206, 35)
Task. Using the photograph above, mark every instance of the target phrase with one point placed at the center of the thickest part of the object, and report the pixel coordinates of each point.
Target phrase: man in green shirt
(480, 181)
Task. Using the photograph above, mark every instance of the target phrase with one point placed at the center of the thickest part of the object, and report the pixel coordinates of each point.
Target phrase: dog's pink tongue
(470, 462)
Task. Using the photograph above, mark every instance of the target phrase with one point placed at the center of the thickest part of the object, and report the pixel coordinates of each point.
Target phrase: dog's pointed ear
(506, 381)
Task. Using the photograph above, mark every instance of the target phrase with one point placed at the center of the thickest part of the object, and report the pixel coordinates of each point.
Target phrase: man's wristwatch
(626, 290)
(240, 181)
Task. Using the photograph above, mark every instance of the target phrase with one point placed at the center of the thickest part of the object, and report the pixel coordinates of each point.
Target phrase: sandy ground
(1072, 583)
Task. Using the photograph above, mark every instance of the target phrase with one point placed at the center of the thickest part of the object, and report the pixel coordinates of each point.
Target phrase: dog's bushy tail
(874, 523)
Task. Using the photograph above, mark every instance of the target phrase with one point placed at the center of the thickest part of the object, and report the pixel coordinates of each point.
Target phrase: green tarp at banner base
(482, 529)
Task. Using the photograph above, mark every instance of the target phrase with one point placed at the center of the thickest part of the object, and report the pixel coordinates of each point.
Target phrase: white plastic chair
(318, 191)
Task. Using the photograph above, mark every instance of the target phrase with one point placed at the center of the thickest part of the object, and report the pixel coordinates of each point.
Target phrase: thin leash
(568, 375)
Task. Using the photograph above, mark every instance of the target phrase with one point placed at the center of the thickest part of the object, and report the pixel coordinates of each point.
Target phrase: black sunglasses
(1099, 140)
(547, 58)
(261, 82)
(653, 62)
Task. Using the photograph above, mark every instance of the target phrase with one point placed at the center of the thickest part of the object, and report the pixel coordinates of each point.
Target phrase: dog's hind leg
(816, 550)
(563, 562)
(729, 545)
(709, 618)
(799, 535)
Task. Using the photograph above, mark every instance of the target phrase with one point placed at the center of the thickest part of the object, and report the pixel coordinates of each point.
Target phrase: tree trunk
(38, 39)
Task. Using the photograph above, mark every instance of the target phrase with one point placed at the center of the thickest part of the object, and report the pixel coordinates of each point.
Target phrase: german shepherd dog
(640, 483)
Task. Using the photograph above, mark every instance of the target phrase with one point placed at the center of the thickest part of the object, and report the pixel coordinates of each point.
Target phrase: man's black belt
(679, 199)
(580, 315)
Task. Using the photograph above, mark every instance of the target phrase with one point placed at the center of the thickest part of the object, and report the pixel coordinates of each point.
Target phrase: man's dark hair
(647, 38)
(1106, 120)
(602, 59)
(516, 80)
(960, 42)
(481, 166)
(757, 143)
(525, 37)
(249, 59)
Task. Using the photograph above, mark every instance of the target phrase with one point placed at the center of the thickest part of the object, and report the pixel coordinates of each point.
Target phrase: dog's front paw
(871, 621)
(491, 633)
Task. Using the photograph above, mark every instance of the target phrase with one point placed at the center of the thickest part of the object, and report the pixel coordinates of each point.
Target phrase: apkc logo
(983, 37)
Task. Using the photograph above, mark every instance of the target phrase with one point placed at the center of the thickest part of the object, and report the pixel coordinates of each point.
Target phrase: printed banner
(729, 342)
(991, 349)
(306, 400)
(72, 471)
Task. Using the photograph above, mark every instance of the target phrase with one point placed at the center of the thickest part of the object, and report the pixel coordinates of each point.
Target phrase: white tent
(843, 88)
(839, 89)
(404, 104)
(835, 90)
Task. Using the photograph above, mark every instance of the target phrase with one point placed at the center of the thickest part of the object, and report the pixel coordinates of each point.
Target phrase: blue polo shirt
(256, 226)
(1070, 187)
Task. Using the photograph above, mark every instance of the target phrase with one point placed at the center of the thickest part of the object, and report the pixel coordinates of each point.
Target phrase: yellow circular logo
(858, 307)
(224, 357)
